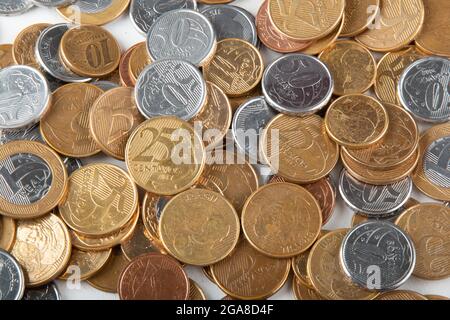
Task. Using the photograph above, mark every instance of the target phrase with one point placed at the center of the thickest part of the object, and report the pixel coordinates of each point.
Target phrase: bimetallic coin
(424, 89)
(48, 292)
(14, 7)
(297, 84)
(93, 12)
(24, 46)
(12, 280)
(105, 85)
(52, 3)
(6, 55)
(359, 15)
(85, 264)
(377, 255)
(7, 233)
(400, 295)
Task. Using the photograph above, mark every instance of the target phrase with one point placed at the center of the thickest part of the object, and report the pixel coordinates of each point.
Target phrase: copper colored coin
(124, 67)
(25, 44)
(153, 277)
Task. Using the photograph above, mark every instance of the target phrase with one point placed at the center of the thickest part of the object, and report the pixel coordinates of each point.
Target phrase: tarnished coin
(160, 277)
(12, 281)
(424, 89)
(400, 295)
(321, 44)
(14, 7)
(297, 84)
(84, 264)
(105, 85)
(124, 67)
(138, 243)
(139, 60)
(247, 274)
(302, 292)
(359, 15)
(93, 12)
(195, 292)
(49, 292)
(52, 3)
(378, 248)
(374, 200)
(6, 55)
(7, 233)
(171, 87)
(24, 46)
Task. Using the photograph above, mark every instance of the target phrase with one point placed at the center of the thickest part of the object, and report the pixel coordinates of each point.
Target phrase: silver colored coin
(47, 48)
(93, 6)
(424, 89)
(52, 3)
(12, 281)
(105, 85)
(170, 87)
(297, 84)
(182, 34)
(30, 134)
(53, 83)
(48, 292)
(232, 22)
(436, 162)
(263, 172)
(14, 7)
(378, 255)
(249, 121)
(72, 164)
(24, 97)
(143, 13)
(371, 200)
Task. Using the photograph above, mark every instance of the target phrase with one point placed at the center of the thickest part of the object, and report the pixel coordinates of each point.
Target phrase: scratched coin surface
(359, 15)
(139, 60)
(138, 243)
(247, 274)
(397, 295)
(49, 292)
(93, 12)
(66, 126)
(427, 224)
(14, 7)
(378, 246)
(7, 233)
(424, 89)
(24, 46)
(199, 227)
(153, 277)
(6, 55)
(12, 281)
(42, 248)
(85, 263)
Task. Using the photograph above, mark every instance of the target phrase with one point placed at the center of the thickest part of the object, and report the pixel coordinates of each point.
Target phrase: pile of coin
(225, 163)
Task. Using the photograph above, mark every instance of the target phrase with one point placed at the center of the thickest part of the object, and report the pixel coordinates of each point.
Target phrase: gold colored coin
(65, 127)
(6, 55)
(85, 264)
(112, 119)
(24, 46)
(113, 77)
(359, 14)
(138, 243)
(398, 24)
(352, 66)
(154, 162)
(101, 199)
(247, 274)
(427, 225)
(325, 271)
(306, 154)
(281, 220)
(90, 14)
(215, 1)
(33, 179)
(90, 51)
(124, 67)
(236, 102)
(139, 59)
(434, 38)
(42, 248)
(195, 292)
(236, 68)
(152, 207)
(400, 295)
(305, 21)
(7, 233)
(435, 297)
(199, 227)
(302, 292)
(356, 121)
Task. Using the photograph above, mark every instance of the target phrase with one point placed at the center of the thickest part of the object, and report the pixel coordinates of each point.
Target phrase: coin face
(321, 44)
(12, 283)
(400, 295)
(249, 275)
(359, 15)
(427, 224)
(199, 227)
(93, 12)
(48, 292)
(424, 89)
(139, 60)
(160, 277)
(236, 68)
(24, 45)
(14, 7)
(195, 292)
(85, 263)
(138, 243)
(7, 233)
(6, 55)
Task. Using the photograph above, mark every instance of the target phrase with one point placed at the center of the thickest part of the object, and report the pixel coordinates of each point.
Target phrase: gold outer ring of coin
(72, 13)
(7, 233)
(25, 44)
(357, 24)
(58, 187)
(88, 262)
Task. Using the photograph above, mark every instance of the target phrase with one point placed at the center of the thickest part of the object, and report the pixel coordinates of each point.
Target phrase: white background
(127, 36)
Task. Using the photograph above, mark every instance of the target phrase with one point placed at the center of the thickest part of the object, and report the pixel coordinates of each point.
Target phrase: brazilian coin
(12, 281)
(29, 133)
(93, 12)
(105, 85)
(14, 7)
(48, 292)
(52, 3)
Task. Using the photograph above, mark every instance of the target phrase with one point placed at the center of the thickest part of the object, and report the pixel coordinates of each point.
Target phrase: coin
(138, 243)
(398, 23)
(14, 7)
(306, 21)
(52, 3)
(160, 277)
(427, 224)
(182, 34)
(152, 160)
(195, 292)
(139, 60)
(302, 292)
(84, 264)
(6, 55)
(105, 85)
(352, 67)
(90, 51)
(236, 68)
(306, 154)
(356, 121)
(12, 281)
(236, 102)
(214, 1)
(424, 89)
(152, 207)
(247, 274)
(24, 45)
(93, 12)
(435, 297)
(42, 248)
(359, 15)
(400, 295)
(7, 233)
(281, 220)
(124, 67)
(49, 292)
(170, 87)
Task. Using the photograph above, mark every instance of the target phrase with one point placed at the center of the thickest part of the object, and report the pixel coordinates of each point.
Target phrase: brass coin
(359, 14)
(302, 292)
(150, 160)
(247, 274)
(33, 177)
(138, 243)
(356, 121)
(65, 127)
(139, 59)
(101, 199)
(236, 68)
(24, 45)
(90, 51)
(195, 292)
(400, 295)
(42, 248)
(352, 66)
(124, 67)
(427, 224)
(85, 264)
(7, 233)
(6, 55)
(326, 274)
(152, 207)
(199, 227)
(306, 20)
(435, 297)
(112, 119)
(281, 220)
(398, 24)
(306, 154)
